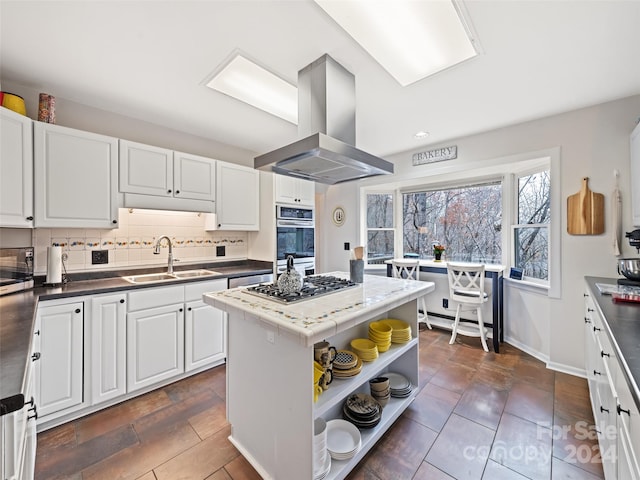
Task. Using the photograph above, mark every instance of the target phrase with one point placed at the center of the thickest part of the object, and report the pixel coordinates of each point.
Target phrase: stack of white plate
(343, 439)
(399, 385)
(321, 457)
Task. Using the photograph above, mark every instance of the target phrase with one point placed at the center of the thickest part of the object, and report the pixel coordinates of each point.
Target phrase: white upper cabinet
(16, 170)
(635, 175)
(294, 191)
(76, 178)
(237, 197)
(145, 169)
(154, 177)
(194, 177)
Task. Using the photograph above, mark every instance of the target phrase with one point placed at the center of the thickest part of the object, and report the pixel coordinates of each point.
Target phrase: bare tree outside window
(380, 231)
(531, 234)
(466, 220)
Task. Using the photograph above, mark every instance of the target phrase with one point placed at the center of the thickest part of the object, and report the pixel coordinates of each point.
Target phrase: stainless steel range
(313, 287)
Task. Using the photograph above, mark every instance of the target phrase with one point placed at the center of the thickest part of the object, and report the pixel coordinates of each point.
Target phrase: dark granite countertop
(623, 321)
(17, 312)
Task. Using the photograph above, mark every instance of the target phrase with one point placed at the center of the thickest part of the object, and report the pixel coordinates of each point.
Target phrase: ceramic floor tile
(432, 406)
(482, 404)
(471, 442)
(495, 471)
(240, 469)
(531, 403)
(453, 377)
(566, 471)
(429, 472)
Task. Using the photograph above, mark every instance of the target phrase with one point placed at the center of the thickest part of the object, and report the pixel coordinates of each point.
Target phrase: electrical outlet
(221, 251)
(445, 303)
(347, 246)
(99, 257)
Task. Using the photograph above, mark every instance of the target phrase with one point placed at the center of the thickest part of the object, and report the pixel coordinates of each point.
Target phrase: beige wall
(593, 142)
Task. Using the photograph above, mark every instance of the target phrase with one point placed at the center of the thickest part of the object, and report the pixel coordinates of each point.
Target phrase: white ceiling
(151, 59)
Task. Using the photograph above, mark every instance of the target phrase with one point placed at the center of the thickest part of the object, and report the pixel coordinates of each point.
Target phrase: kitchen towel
(54, 265)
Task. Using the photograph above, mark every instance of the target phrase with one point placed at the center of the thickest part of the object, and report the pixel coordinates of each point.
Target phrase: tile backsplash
(132, 243)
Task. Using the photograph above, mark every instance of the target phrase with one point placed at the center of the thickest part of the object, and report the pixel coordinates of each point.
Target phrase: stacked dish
(321, 457)
(399, 385)
(346, 364)
(401, 332)
(380, 334)
(343, 439)
(362, 410)
(380, 390)
(365, 349)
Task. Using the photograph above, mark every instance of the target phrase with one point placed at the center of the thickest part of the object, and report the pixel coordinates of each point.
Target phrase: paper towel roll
(54, 265)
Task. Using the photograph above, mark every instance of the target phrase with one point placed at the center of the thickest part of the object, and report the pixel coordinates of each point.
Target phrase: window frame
(393, 228)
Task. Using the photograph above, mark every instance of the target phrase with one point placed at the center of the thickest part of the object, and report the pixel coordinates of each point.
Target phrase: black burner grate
(312, 287)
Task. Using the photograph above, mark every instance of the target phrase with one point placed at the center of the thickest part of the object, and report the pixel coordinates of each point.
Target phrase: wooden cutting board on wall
(585, 211)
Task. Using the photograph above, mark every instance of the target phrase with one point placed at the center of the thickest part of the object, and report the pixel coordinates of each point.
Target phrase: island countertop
(317, 318)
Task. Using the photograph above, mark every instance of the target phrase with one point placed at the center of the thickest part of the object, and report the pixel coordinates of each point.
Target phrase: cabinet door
(635, 175)
(237, 197)
(76, 182)
(59, 370)
(146, 169)
(205, 334)
(194, 177)
(294, 191)
(16, 170)
(108, 341)
(155, 345)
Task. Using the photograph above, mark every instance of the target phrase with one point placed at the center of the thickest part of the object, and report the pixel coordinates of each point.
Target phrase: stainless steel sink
(165, 277)
(150, 278)
(195, 273)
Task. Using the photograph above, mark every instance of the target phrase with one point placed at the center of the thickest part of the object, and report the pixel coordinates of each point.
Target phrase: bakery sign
(436, 155)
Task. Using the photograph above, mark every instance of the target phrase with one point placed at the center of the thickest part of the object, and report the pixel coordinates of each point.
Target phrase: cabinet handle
(590, 309)
(30, 218)
(596, 329)
(587, 320)
(78, 310)
(180, 310)
(219, 225)
(35, 356)
(37, 332)
(114, 221)
(168, 191)
(177, 192)
(585, 294)
(189, 309)
(30, 402)
(595, 372)
(602, 409)
(602, 354)
(33, 409)
(620, 409)
(122, 300)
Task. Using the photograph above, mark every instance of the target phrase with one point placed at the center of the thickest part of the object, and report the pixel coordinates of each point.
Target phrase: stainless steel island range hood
(326, 124)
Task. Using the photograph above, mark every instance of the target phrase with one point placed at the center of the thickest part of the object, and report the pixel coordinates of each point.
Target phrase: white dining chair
(466, 288)
(409, 269)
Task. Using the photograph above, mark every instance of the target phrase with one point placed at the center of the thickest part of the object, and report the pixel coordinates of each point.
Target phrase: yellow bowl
(14, 102)
(381, 328)
(396, 324)
(363, 344)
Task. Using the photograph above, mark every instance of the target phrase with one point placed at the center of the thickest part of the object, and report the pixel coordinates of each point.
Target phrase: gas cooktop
(313, 286)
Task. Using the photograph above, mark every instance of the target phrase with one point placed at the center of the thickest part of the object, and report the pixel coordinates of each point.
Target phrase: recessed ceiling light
(410, 39)
(421, 134)
(248, 82)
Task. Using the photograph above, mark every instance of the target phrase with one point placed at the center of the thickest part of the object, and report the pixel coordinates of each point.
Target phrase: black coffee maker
(634, 239)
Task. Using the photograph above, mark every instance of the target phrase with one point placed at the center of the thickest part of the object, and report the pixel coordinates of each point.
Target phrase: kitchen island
(270, 401)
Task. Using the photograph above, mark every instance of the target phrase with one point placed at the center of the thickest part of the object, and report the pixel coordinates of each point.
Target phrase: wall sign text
(436, 155)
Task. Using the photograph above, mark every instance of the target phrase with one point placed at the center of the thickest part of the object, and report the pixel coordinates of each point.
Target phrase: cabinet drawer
(155, 297)
(194, 291)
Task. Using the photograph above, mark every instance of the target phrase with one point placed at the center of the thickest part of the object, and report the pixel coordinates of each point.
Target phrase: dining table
(493, 271)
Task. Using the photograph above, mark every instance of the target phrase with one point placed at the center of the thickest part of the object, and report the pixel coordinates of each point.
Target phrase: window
(380, 228)
(531, 230)
(467, 221)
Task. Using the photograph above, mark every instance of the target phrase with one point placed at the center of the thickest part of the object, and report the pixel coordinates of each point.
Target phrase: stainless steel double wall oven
(295, 230)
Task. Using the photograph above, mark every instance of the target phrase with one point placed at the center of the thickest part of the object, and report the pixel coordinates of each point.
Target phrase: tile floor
(477, 416)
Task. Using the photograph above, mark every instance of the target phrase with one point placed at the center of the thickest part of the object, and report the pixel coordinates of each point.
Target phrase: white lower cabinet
(18, 429)
(205, 327)
(59, 373)
(155, 345)
(108, 347)
(614, 411)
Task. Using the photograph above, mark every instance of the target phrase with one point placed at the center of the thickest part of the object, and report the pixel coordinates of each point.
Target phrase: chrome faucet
(170, 259)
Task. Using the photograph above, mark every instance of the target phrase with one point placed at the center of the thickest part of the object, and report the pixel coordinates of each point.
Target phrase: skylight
(250, 83)
(410, 39)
